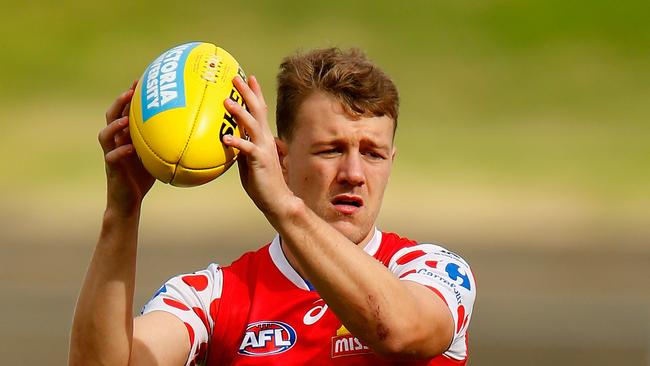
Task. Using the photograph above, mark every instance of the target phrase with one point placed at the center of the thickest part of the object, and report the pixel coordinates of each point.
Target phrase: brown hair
(362, 88)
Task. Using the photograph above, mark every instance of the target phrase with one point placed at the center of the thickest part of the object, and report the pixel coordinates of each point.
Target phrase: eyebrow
(365, 142)
(372, 144)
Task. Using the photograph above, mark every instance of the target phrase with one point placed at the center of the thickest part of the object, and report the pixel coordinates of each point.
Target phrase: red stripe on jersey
(466, 320)
(410, 256)
(214, 309)
(461, 318)
(199, 282)
(175, 304)
(190, 331)
(432, 264)
(203, 318)
(407, 273)
(435, 291)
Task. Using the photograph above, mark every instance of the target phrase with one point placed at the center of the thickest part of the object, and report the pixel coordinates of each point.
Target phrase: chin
(354, 233)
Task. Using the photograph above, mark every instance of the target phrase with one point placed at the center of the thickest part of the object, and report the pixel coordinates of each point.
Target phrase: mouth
(347, 204)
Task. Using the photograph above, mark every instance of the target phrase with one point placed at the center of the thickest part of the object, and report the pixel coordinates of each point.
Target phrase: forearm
(370, 301)
(102, 330)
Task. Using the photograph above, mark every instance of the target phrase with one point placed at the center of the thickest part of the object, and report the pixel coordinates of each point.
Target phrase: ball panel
(156, 166)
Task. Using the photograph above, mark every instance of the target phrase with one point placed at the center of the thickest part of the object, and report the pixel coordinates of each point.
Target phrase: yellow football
(177, 119)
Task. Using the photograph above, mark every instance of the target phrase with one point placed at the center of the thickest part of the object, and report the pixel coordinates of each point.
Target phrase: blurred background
(523, 145)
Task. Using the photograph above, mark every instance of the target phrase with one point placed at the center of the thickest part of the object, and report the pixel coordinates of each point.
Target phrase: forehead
(321, 118)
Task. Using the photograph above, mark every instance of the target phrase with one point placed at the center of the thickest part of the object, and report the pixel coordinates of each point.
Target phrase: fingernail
(227, 138)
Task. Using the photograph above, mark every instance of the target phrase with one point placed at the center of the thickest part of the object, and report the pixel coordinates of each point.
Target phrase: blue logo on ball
(163, 85)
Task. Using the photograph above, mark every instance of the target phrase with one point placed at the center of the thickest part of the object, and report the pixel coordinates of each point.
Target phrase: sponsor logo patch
(163, 86)
(457, 274)
(345, 344)
(265, 338)
(314, 314)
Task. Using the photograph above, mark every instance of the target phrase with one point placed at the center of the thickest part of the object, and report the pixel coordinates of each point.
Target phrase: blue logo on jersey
(163, 85)
(453, 270)
(267, 338)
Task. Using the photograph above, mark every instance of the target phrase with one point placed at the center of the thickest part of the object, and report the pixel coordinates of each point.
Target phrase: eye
(328, 152)
(374, 155)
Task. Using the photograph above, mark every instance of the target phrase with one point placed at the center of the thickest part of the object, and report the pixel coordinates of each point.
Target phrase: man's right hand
(127, 179)
(104, 331)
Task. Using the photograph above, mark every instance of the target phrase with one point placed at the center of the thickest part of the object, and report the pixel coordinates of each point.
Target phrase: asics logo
(314, 314)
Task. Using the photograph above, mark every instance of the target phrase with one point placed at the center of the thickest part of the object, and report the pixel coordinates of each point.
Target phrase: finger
(257, 89)
(125, 111)
(115, 110)
(116, 155)
(248, 125)
(106, 136)
(239, 143)
(123, 137)
(127, 107)
(251, 100)
(264, 109)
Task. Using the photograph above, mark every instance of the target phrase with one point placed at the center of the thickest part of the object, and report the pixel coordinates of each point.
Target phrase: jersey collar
(283, 265)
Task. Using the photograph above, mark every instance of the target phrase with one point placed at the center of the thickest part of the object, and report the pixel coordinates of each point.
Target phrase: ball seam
(189, 137)
(214, 167)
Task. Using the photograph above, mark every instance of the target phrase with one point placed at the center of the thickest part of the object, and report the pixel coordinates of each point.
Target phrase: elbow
(84, 353)
(401, 348)
(412, 340)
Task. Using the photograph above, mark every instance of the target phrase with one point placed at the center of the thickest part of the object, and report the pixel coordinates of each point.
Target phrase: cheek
(311, 177)
(303, 178)
(380, 179)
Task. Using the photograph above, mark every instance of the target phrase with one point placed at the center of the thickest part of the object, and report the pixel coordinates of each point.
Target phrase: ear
(283, 151)
(394, 154)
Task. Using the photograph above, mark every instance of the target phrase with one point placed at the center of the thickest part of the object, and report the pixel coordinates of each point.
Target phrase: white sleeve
(449, 277)
(194, 299)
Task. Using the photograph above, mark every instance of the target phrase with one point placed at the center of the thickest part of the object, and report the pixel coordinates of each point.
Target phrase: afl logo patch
(265, 338)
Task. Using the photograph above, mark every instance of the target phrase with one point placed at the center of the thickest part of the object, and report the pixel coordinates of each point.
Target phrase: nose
(351, 170)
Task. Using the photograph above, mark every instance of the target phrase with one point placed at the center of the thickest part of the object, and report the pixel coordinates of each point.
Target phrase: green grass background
(524, 95)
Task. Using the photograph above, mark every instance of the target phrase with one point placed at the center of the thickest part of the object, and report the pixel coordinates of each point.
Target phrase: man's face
(338, 165)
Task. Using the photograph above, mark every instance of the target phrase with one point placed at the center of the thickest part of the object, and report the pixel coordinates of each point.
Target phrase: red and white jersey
(260, 311)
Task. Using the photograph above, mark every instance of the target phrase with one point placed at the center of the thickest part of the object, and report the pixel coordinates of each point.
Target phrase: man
(330, 288)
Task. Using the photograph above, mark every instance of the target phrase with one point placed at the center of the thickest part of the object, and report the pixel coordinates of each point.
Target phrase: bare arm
(103, 326)
(395, 317)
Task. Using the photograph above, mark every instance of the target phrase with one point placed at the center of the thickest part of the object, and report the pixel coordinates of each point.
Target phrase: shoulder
(389, 244)
(201, 288)
(248, 260)
(196, 298)
(396, 249)
(427, 261)
(446, 274)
